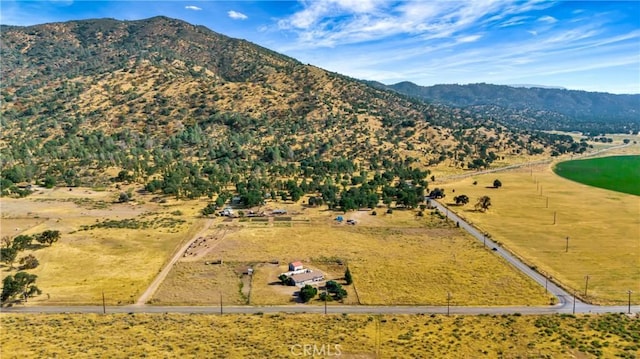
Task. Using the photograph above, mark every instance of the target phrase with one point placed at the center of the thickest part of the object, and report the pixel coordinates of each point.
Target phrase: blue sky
(585, 45)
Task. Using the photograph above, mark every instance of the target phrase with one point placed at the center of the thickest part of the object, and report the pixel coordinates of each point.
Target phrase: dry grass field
(84, 263)
(350, 336)
(603, 227)
(394, 259)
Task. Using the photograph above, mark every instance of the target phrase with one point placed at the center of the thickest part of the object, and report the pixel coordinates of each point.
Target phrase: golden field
(343, 336)
(121, 262)
(603, 227)
(418, 261)
(395, 258)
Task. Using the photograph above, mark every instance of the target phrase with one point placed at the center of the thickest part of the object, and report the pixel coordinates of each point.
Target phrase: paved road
(567, 303)
(562, 295)
(566, 308)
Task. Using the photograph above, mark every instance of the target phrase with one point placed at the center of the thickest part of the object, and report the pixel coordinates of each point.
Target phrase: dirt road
(148, 293)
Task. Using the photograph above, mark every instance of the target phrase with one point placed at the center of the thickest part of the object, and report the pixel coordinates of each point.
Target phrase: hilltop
(190, 112)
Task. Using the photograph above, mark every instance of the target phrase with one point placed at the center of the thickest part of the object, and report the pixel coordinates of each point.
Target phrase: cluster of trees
(334, 290)
(184, 145)
(11, 247)
(22, 283)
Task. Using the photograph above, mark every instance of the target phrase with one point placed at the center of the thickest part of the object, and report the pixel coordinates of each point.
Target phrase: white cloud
(237, 15)
(548, 19)
(191, 7)
(332, 23)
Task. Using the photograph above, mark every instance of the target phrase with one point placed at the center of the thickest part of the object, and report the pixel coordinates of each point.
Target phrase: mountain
(190, 112)
(537, 107)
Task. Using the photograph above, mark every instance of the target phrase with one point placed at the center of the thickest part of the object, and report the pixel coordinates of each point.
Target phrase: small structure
(228, 212)
(308, 277)
(295, 266)
(339, 219)
(279, 211)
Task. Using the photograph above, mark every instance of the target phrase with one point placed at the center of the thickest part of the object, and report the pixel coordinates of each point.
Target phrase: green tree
(22, 242)
(307, 293)
(48, 237)
(7, 242)
(22, 283)
(8, 255)
(123, 198)
(283, 279)
(209, 209)
(483, 203)
(437, 193)
(497, 183)
(461, 200)
(347, 276)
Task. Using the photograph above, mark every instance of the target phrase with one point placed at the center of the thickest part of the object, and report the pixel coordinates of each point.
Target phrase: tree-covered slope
(190, 112)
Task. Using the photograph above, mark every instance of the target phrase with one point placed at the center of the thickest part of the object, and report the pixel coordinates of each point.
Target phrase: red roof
(296, 264)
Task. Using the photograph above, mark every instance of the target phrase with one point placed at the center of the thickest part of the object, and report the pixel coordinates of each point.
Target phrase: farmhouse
(301, 279)
(294, 266)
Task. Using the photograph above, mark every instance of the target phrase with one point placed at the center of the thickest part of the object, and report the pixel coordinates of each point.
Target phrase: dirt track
(146, 295)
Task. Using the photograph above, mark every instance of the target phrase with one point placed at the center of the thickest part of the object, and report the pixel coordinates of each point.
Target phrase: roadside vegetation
(284, 335)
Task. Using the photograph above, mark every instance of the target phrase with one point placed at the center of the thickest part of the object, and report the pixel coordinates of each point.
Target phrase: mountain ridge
(550, 108)
(163, 100)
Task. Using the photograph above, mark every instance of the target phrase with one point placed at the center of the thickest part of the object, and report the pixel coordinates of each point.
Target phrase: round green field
(617, 173)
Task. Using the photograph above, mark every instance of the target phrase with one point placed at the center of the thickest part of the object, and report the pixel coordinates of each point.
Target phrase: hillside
(536, 107)
(189, 112)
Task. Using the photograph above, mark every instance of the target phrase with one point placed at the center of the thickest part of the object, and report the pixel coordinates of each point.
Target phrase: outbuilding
(294, 266)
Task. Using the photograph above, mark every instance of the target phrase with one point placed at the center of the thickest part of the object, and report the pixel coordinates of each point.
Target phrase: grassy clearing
(602, 225)
(121, 250)
(617, 173)
(284, 336)
(416, 262)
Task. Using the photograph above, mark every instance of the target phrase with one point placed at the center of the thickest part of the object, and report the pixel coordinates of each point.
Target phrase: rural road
(561, 294)
(563, 308)
(567, 303)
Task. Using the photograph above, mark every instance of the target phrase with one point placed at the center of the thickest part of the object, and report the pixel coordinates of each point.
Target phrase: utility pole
(629, 303)
(574, 301)
(325, 299)
(554, 217)
(484, 239)
(586, 285)
(448, 301)
(220, 302)
(567, 248)
(546, 280)
(104, 307)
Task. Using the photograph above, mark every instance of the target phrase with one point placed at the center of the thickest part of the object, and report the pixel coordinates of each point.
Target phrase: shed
(293, 266)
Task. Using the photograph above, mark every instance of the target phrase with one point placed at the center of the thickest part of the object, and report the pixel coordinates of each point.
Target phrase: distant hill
(536, 107)
(191, 112)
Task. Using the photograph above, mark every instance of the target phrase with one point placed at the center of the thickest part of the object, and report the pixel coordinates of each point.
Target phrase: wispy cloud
(332, 23)
(548, 19)
(237, 15)
(192, 7)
